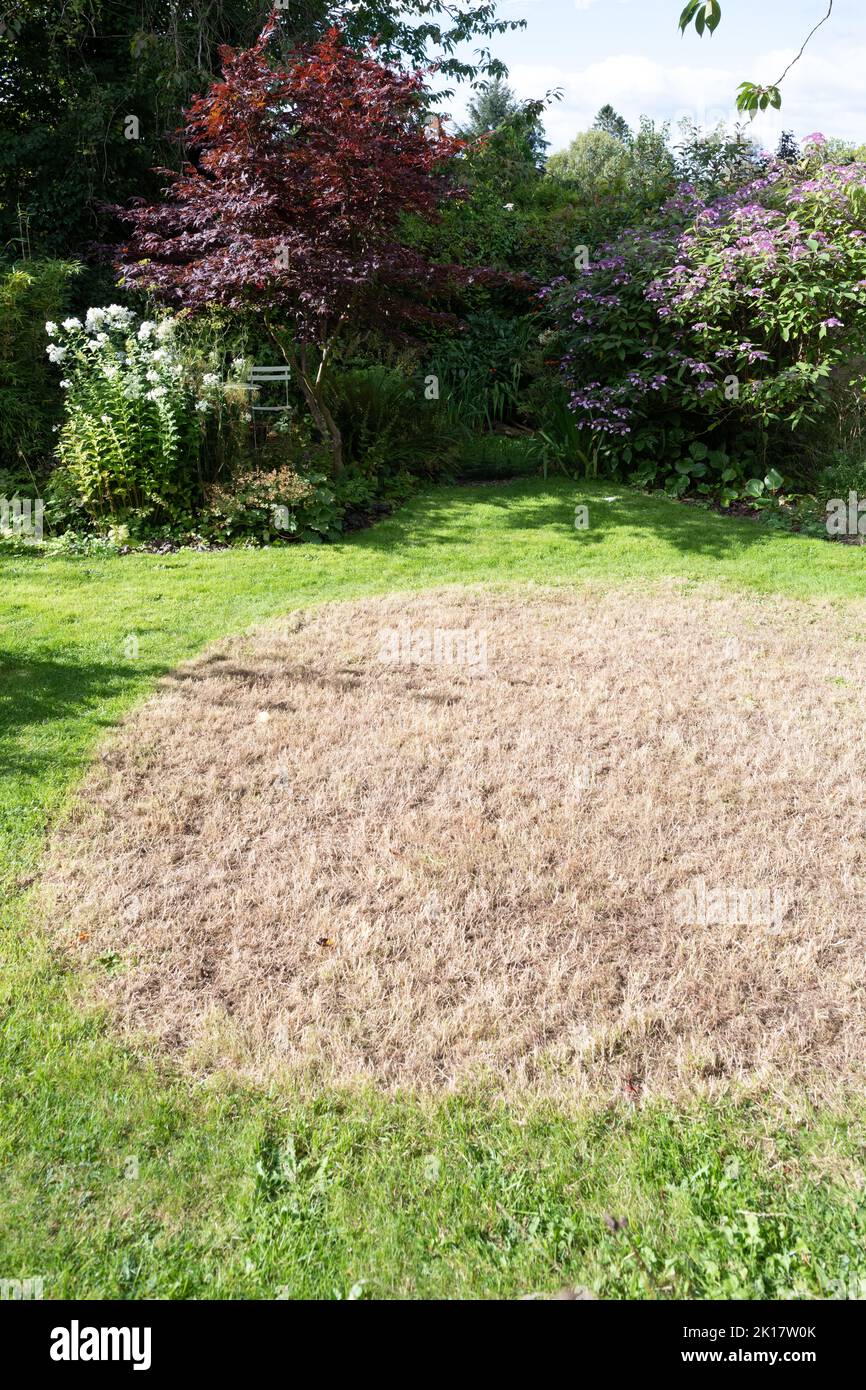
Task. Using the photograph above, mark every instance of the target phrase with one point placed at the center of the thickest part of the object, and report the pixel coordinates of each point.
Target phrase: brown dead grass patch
(300, 855)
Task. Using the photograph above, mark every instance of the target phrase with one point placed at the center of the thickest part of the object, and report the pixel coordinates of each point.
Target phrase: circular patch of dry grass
(624, 854)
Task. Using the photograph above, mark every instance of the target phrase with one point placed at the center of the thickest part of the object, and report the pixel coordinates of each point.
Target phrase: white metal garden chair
(268, 376)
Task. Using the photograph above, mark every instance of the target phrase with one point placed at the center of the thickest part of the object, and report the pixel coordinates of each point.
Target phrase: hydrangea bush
(130, 443)
(692, 344)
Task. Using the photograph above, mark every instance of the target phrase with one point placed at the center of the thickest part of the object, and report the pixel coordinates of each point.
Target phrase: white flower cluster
(112, 353)
(100, 323)
(211, 387)
(108, 320)
(160, 330)
(109, 350)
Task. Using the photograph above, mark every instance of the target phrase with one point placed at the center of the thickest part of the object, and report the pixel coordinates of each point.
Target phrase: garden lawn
(122, 1179)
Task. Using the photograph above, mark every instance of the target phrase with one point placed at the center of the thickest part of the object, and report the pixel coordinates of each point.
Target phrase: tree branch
(806, 41)
(706, 15)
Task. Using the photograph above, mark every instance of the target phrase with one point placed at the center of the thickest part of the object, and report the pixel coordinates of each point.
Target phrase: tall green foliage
(717, 161)
(130, 442)
(30, 293)
(479, 373)
(612, 122)
(614, 180)
(72, 76)
(496, 112)
(509, 217)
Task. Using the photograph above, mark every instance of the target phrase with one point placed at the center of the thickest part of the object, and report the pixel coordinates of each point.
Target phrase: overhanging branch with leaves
(706, 15)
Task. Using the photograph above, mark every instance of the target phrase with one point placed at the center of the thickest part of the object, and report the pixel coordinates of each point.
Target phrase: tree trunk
(311, 388)
(314, 396)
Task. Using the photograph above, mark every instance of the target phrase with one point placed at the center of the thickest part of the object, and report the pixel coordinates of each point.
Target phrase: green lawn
(120, 1179)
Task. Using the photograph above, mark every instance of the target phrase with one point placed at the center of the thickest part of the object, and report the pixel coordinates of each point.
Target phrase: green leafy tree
(595, 162)
(836, 151)
(787, 149)
(492, 107)
(91, 91)
(614, 181)
(717, 161)
(613, 123)
(513, 128)
(30, 294)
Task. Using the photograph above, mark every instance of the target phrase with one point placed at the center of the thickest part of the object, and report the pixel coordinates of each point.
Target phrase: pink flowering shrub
(692, 348)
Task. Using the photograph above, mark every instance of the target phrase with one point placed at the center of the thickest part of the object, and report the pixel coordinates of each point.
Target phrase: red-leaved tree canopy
(293, 206)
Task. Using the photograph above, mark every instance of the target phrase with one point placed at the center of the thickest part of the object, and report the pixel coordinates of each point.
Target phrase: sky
(630, 53)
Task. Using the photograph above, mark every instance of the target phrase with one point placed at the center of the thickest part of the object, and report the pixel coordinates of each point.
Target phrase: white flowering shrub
(133, 427)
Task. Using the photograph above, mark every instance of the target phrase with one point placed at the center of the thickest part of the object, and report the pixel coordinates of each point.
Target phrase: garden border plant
(709, 337)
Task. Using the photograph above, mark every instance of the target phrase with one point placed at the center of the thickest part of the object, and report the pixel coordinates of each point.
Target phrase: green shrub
(388, 423)
(489, 457)
(846, 472)
(564, 447)
(614, 180)
(480, 373)
(528, 232)
(297, 500)
(717, 161)
(30, 293)
(510, 218)
(376, 407)
(275, 505)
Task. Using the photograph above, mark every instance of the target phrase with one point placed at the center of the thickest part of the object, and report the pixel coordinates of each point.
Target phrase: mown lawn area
(122, 1178)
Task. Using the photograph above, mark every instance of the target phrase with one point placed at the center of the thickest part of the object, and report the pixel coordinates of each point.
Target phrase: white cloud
(821, 93)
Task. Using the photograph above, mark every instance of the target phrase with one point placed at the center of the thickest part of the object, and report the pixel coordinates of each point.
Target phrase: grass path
(119, 1180)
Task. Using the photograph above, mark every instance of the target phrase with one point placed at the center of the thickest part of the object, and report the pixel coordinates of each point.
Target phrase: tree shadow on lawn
(37, 693)
(532, 505)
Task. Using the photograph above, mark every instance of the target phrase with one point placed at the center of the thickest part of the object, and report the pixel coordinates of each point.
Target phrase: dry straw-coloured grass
(298, 854)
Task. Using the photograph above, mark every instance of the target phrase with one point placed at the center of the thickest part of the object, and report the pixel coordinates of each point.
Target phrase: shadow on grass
(445, 516)
(40, 692)
(498, 519)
